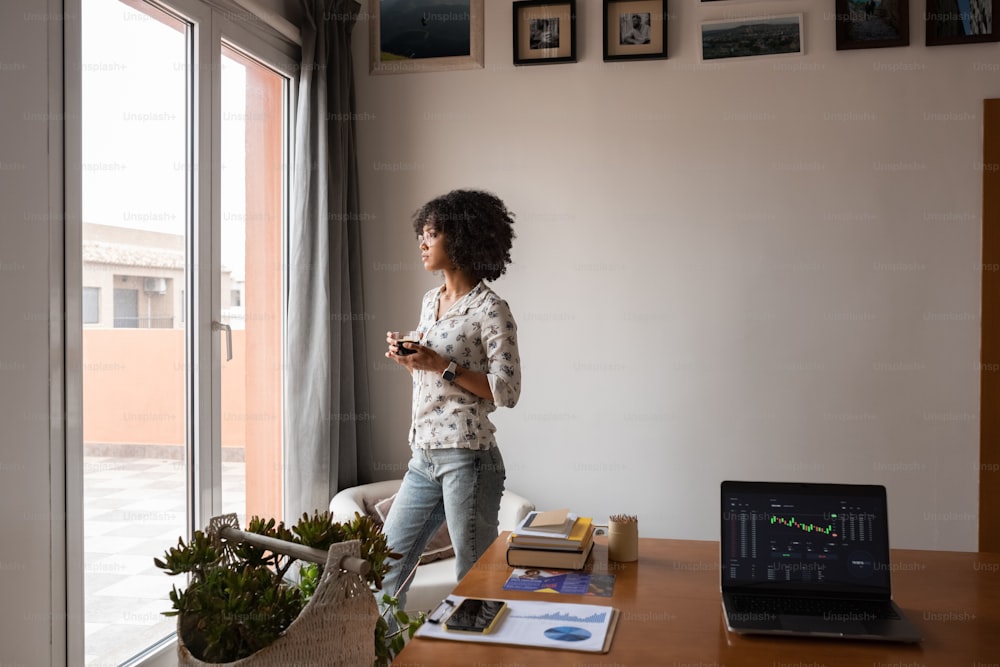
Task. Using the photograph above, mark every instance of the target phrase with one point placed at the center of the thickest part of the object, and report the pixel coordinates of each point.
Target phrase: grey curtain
(327, 427)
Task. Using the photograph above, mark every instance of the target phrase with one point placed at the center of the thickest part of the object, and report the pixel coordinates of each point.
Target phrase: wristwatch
(449, 373)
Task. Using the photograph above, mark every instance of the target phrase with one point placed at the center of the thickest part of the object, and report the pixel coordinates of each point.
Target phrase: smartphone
(476, 615)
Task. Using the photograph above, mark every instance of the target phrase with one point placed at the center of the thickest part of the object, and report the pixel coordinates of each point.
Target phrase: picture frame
(544, 32)
(943, 25)
(425, 36)
(872, 25)
(741, 37)
(635, 29)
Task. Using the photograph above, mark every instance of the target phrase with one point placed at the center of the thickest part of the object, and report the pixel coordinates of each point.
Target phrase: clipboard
(534, 623)
(612, 626)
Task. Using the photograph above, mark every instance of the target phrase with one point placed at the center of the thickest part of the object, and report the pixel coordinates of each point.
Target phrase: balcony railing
(160, 322)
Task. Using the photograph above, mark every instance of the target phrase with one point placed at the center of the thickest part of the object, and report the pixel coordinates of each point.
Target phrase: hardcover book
(550, 558)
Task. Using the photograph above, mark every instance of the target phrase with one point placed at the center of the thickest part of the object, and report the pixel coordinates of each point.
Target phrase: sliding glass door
(136, 232)
(253, 130)
(184, 163)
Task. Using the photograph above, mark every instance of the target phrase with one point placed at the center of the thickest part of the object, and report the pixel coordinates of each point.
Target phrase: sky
(134, 126)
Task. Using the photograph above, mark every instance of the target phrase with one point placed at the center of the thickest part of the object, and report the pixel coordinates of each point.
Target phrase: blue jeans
(460, 486)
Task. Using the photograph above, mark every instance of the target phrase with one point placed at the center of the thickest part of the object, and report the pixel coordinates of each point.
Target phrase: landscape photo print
(749, 37)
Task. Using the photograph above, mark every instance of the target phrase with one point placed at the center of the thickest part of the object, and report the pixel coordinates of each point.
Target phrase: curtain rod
(276, 21)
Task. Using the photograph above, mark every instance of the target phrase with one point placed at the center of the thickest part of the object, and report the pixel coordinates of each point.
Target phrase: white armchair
(432, 581)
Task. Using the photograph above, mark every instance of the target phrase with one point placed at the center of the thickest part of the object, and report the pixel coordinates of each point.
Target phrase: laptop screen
(804, 537)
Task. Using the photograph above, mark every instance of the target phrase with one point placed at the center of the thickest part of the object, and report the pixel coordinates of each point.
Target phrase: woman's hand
(421, 358)
(391, 341)
(425, 359)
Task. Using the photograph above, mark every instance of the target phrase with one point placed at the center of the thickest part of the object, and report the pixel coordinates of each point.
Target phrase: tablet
(476, 615)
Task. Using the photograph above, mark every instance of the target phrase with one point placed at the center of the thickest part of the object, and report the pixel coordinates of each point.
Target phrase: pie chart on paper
(567, 633)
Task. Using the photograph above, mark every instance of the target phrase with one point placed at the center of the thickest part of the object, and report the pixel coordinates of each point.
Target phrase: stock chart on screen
(811, 539)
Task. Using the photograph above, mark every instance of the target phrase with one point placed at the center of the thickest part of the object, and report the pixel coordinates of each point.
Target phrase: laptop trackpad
(822, 625)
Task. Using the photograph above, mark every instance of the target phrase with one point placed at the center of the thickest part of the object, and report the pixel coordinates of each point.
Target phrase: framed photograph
(872, 24)
(544, 32)
(746, 37)
(635, 29)
(959, 22)
(425, 35)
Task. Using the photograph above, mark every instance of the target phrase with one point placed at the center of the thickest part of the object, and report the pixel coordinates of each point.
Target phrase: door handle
(219, 326)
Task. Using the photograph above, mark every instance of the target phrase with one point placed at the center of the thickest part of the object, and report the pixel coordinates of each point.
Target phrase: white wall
(761, 268)
(30, 551)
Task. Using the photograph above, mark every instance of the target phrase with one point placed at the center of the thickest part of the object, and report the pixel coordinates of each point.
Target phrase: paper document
(549, 520)
(574, 627)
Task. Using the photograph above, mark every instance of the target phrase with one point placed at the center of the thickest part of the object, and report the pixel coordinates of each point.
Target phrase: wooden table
(672, 616)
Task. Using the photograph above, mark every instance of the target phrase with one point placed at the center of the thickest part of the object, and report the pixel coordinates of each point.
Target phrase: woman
(465, 365)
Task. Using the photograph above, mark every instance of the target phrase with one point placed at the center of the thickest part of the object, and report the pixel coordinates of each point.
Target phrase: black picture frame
(872, 25)
(544, 32)
(944, 26)
(624, 39)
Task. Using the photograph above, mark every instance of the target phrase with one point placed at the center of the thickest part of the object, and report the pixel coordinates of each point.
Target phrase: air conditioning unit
(154, 285)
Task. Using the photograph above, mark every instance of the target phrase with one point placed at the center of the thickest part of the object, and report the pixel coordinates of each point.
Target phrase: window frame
(210, 28)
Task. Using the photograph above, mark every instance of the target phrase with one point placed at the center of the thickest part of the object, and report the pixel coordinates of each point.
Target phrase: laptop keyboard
(849, 610)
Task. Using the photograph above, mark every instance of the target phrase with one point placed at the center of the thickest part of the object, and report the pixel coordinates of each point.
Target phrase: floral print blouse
(479, 333)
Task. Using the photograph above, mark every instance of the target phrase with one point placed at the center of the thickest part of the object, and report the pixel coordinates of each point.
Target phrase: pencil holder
(623, 539)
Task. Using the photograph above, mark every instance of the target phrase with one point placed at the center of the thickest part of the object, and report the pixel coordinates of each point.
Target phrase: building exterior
(134, 278)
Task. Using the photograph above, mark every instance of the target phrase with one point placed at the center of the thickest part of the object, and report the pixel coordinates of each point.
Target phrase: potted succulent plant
(242, 598)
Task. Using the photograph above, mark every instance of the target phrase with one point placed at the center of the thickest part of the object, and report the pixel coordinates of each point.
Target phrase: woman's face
(432, 252)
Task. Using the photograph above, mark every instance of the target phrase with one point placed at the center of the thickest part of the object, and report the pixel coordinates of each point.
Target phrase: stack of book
(555, 539)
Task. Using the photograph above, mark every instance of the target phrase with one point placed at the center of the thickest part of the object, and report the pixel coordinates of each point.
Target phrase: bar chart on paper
(568, 626)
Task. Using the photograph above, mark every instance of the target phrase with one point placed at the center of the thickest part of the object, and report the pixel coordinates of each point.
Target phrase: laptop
(808, 559)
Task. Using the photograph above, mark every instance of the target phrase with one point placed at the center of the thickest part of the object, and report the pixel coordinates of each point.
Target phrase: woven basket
(336, 628)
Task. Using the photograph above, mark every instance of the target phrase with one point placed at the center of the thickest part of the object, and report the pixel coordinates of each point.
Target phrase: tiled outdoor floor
(133, 511)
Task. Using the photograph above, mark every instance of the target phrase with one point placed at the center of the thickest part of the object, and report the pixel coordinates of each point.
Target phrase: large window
(184, 139)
